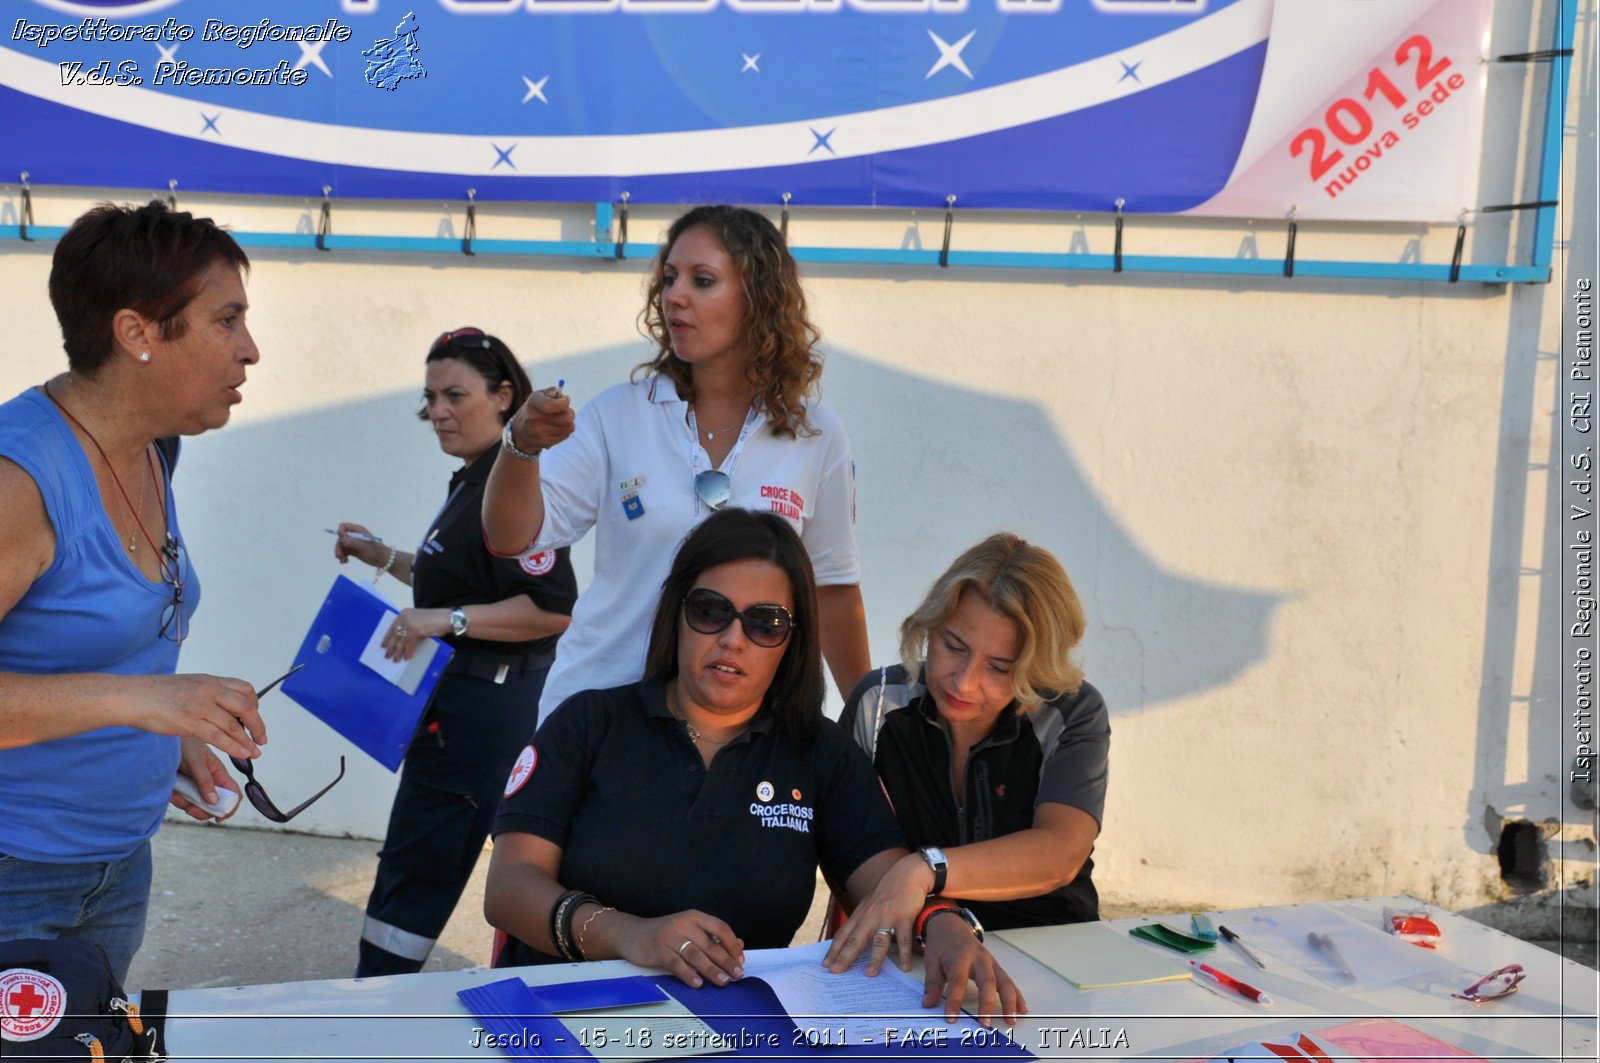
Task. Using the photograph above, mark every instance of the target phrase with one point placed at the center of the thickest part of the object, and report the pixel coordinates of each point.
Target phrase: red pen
(1228, 981)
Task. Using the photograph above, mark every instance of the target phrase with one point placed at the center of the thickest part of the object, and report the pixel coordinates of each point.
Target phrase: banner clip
(1461, 242)
(622, 229)
(1543, 56)
(325, 221)
(949, 223)
(470, 232)
(783, 219)
(25, 216)
(1288, 252)
(1116, 255)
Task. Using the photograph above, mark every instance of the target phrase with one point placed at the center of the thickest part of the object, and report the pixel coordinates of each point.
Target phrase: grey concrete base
(232, 906)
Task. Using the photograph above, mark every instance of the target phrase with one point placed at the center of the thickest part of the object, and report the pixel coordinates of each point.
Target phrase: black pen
(1237, 942)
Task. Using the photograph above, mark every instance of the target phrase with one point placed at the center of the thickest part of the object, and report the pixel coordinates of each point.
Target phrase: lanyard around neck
(731, 462)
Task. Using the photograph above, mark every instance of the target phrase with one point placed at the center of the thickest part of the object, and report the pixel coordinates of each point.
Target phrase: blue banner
(1025, 104)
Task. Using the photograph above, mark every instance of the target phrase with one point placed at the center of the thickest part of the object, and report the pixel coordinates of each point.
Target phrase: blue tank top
(94, 796)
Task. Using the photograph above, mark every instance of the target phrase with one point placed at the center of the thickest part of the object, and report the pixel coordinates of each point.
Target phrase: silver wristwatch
(509, 442)
(940, 865)
(458, 622)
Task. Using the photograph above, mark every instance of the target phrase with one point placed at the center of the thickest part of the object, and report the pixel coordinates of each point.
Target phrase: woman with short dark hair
(723, 413)
(678, 820)
(96, 583)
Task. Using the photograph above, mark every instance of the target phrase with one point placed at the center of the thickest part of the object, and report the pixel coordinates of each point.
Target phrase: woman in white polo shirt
(720, 416)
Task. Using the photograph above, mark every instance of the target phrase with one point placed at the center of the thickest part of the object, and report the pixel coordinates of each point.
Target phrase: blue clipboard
(336, 688)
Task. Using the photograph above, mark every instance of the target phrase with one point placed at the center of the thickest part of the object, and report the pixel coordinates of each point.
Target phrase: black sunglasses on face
(254, 791)
(765, 624)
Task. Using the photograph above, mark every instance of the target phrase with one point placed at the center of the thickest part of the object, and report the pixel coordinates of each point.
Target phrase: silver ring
(400, 630)
(887, 931)
(686, 943)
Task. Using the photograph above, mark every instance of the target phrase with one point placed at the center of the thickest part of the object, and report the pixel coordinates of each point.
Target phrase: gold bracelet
(584, 929)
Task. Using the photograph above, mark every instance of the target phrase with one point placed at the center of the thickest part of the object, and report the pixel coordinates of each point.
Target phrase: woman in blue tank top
(96, 584)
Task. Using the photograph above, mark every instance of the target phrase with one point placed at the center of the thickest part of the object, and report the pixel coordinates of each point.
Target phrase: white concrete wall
(1298, 512)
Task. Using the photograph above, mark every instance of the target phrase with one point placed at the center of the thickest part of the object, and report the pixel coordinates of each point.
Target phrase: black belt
(496, 667)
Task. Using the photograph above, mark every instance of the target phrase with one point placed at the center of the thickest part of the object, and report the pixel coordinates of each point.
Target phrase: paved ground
(239, 907)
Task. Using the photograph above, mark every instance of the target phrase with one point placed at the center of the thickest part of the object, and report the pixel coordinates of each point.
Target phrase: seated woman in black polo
(679, 820)
(993, 749)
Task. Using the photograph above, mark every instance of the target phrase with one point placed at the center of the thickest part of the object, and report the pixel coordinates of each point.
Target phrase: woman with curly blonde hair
(724, 414)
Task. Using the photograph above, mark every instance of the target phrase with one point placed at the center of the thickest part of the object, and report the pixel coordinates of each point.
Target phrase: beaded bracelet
(558, 923)
(386, 566)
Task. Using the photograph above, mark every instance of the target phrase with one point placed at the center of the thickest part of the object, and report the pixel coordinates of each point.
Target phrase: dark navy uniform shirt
(647, 828)
(1058, 752)
(454, 568)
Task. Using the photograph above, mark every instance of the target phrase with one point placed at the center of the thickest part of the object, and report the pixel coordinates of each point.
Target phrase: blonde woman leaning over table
(721, 415)
(992, 749)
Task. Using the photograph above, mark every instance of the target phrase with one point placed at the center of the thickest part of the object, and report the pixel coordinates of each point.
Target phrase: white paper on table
(407, 675)
(1376, 958)
(850, 1008)
(663, 1029)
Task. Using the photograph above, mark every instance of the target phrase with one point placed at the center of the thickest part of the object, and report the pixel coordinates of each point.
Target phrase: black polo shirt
(454, 568)
(647, 828)
(1058, 752)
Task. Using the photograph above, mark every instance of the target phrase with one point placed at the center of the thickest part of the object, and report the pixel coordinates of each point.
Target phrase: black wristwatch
(941, 866)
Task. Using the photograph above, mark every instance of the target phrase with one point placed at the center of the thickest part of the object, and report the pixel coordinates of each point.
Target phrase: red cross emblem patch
(540, 563)
(31, 1004)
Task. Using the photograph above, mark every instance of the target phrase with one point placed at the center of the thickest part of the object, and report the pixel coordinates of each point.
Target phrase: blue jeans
(101, 902)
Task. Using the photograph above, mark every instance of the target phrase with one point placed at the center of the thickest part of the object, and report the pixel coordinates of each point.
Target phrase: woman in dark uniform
(502, 616)
(680, 819)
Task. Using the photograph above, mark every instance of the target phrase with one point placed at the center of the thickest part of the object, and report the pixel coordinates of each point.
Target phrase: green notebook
(1162, 934)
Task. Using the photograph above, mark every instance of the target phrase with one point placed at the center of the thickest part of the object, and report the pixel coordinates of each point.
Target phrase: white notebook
(1093, 956)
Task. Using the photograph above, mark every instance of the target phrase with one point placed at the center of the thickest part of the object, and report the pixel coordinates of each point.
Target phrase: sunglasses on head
(254, 790)
(462, 339)
(765, 624)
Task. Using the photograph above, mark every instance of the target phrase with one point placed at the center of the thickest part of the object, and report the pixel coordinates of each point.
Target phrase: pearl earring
(144, 356)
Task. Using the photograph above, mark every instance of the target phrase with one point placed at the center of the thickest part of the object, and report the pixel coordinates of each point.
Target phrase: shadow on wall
(939, 467)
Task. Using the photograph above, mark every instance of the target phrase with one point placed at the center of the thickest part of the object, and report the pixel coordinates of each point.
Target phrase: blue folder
(746, 1013)
(336, 688)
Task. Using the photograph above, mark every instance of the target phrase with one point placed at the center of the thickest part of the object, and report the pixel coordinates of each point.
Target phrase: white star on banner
(750, 62)
(535, 88)
(169, 56)
(311, 55)
(949, 54)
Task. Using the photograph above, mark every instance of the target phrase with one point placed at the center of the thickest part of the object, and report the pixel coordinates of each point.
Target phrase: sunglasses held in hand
(254, 790)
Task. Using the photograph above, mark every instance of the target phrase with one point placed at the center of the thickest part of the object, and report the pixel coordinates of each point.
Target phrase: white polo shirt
(627, 470)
